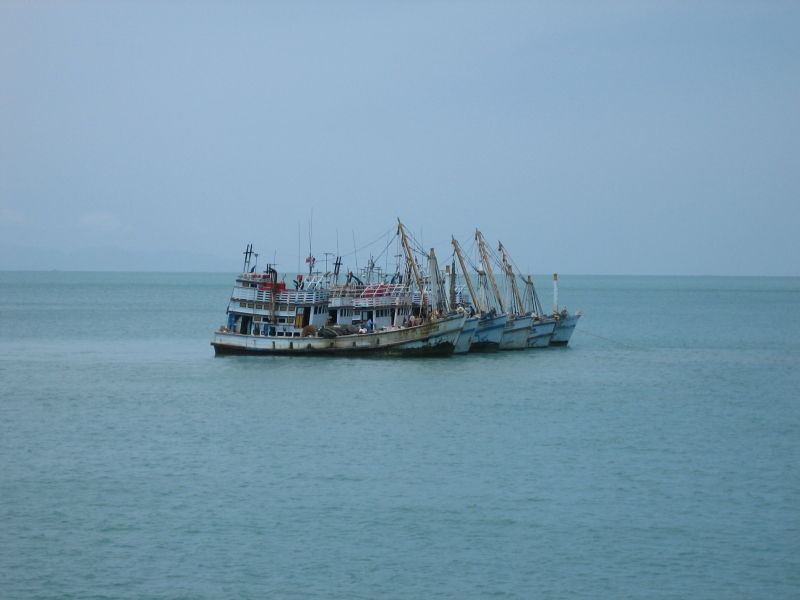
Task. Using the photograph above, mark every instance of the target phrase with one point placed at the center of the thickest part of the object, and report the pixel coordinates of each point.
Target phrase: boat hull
(563, 331)
(465, 337)
(437, 338)
(540, 334)
(515, 333)
(488, 333)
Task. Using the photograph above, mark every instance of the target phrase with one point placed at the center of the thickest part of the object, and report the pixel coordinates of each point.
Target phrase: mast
(466, 274)
(410, 259)
(510, 277)
(438, 298)
(531, 298)
(453, 285)
(487, 264)
(555, 293)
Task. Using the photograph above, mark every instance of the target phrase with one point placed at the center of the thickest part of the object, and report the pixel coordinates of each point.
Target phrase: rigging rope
(604, 338)
(377, 239)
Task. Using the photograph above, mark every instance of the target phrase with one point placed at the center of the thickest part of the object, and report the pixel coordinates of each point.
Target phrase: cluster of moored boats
(415, 312)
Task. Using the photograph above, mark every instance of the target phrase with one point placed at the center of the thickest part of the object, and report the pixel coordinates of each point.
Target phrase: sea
(656, 456)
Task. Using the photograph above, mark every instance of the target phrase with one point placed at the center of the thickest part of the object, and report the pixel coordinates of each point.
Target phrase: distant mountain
(112, 259)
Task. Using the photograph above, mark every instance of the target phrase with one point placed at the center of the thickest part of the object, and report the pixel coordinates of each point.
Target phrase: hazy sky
(641, 138)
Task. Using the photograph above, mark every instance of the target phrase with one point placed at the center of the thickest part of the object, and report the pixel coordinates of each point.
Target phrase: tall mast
(453, 285)
(511, 278)
(466, 274)
(438, 298)
(532, 298)
(487, 264)
(555, 293)
(410, 259)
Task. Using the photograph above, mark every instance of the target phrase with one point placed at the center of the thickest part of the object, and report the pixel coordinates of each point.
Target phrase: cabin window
(296, 334)
(242, 304)
(282, 320)
(251, 306)
(280, 334)
(259, 306)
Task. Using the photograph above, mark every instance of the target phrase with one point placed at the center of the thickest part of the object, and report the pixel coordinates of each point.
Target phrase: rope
(364, 247)
(603, 338)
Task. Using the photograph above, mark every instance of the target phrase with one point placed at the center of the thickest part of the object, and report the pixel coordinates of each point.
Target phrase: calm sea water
(134, 464)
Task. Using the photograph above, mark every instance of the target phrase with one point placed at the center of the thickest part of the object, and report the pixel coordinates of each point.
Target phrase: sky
(645, 138)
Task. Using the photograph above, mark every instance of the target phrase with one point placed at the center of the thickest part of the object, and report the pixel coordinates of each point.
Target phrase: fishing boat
(488, 324)
(266, 318)
(514, 302)
(460, 304)
(565, 322)
(464, 342)
(515, 330)
(542, 326)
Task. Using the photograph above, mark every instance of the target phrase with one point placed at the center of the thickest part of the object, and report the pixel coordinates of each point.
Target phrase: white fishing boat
(458, 302)
(488, 324)
(542, 326)
(515, 305)
(515, 330)
(465, 339)
(565, 322)
(264, 317)
(541, 331)
(431, 338)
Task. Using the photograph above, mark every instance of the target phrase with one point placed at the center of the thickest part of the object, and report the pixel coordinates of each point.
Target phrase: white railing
(282, 297)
